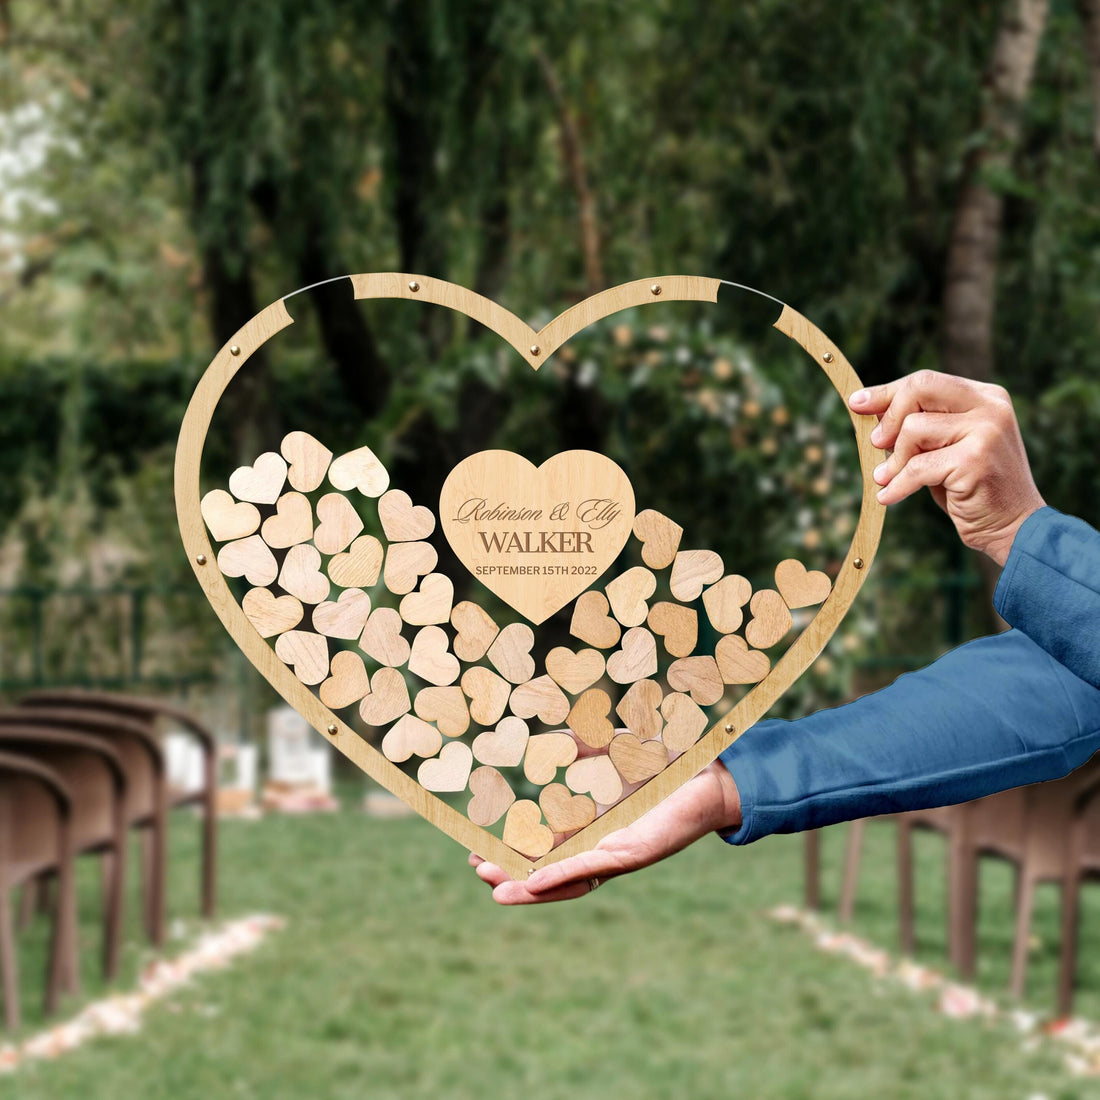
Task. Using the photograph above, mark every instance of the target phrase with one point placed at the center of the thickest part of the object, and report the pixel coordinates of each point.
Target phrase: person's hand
(705, 804)
(961, 439)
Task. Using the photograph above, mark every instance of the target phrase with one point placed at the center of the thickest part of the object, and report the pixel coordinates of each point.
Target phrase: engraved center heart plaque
(521, 753)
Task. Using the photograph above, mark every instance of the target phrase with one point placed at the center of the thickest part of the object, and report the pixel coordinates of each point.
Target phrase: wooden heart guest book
(429, 681)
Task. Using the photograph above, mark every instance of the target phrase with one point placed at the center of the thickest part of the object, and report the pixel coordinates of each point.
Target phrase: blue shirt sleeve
(1015, 708)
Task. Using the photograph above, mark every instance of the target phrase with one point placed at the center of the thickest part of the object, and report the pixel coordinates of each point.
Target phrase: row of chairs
(1048, 832)
(78, 772)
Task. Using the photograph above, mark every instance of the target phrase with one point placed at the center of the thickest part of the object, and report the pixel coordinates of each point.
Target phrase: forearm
(996, 713)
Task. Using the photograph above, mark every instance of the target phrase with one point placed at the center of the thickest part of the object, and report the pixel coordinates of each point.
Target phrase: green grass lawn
(397, 976)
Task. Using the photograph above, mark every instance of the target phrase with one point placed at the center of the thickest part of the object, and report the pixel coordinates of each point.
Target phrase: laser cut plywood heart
(537, 536)
(421, 707)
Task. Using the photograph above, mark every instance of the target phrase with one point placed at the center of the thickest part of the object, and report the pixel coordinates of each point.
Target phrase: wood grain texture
(492, 796)
(382, 640)
(387, 701)
(635, 760)
(271, 614)
(348, 682)
(677, 625)
(809, 643)
(799, 586)
(575, 671)
(691, 571)
(308, 460)
(406, 563)
(724, 601)
(737, 664)
(358, 566)
(474, 631)
(488, 694)
(540, 698)
(627, 595)
(262, 482)
(504, 746)
(524, 830)
(639, 709)
(430, 603)
(227, 518)
(449, 771)
(770, 620)
(660, 538)
(345, 617)
(684, 723)
(510, 653)
(402, 521)
(250, 558)
(588, 718)
(301, 575)
(410, 736)
(699, 677)
(337, 523)
(636, 660)
(359, 469)
(566, 812)
(291, 524)
(430, 659)
(446, 707)
(305, 652)
(591, 622)
(597, 776)
(546, 752)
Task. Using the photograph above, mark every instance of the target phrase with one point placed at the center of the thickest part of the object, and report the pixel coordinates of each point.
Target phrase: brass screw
(858, 563)
(332, 729)
(535, 349)
(414, 286)
(729, 727)
(828, 357)
(655, 289)
(200, 559)
(234, 350)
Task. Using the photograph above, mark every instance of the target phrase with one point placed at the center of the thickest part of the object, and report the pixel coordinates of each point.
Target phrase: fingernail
(880, 471)
(879, 495)
(876, 435)
(859, 398)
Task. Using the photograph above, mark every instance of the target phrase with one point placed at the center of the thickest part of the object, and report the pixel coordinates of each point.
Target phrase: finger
(517, 893)
(475, 860)
(596, 863)
(491, 873)
(925, 391)
(920, 432)
(931, 468)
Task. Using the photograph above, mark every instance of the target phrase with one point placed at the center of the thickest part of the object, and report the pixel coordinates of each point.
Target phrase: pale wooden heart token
(509, 521)
(271, 614)
(226, 518)
(488, 694)
(588, 718)
(337, 523)
(250, 558)
(524, 830)
(503, 747)
(684, 723)
(344, 617)
(406, 563)
(348, 682)
(546, 752)
(431, 603)
(660, 538)
(430, 659)
(308, 460)
(699, 677)
(359, 469)
(628, 593)
(291, 524)
(446, 707)
(800, 587)
(737, 663)
(575, 671)
(262, 482)
(678, 625)
(510, 653)
(381, 639)
(691, 570)
(638, 708)
(475, 631)
(592, 623)
(566, 812)
(541, 697)
(388, 699)
(410, 736)
(401, 521)
(449, 771)
(301, 575)
(637, 658)
(637, 761)
(492, 796)
(770, 621)
(358, 566)
(724, 601)
(305, 652)
(597, 776)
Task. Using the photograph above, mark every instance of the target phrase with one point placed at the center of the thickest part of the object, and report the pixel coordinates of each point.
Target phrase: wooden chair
(153, 711)
(95, 780)
(145, 806)
(35, 839)
(1082, 862)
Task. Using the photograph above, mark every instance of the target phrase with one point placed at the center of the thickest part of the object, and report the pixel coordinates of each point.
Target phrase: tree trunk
(1090, 13)
(970, 289)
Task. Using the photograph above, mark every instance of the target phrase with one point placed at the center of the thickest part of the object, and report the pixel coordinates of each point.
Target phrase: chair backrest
(35, 807)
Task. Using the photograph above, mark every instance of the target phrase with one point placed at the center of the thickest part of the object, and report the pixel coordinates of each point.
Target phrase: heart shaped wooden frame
(535, 348)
